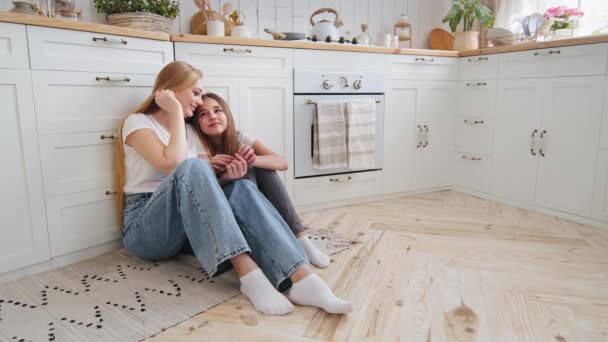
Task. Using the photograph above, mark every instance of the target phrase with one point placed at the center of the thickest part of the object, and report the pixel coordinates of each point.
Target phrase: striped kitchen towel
(329, 136)
(361, 134)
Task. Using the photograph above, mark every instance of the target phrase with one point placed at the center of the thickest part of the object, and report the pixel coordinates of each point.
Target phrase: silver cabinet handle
(419, 136)
(551, 52)
(474, 122)
(110, 40)
(112, 79)
(426, 136)
(337, 180)
(477, 60)
(237, 50)
(312, 140)
(477, 84)
(533, 142)
(110, 193)
(541, 150)
(471, 158)
(422, 59)
(112, 136)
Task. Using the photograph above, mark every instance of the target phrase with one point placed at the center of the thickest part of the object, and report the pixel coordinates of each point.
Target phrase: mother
(167, 197)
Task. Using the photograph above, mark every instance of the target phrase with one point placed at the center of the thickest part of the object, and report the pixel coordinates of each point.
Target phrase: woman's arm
(149, 146)
(267, 159)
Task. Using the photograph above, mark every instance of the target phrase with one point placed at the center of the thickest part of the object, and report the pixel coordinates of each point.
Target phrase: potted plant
(467, 12)
(153, 15)
(566, 21)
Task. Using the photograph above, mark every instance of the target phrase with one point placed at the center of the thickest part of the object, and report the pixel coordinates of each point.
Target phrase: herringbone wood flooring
(440, 267)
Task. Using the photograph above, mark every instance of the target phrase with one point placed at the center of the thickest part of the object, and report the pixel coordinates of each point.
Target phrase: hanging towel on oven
(329, 138)
(361, 134)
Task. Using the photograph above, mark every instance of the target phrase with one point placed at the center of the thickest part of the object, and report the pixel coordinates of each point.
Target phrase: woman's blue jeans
(190, 206)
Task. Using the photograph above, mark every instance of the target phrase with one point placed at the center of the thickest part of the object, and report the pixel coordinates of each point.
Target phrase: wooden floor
(440, 267)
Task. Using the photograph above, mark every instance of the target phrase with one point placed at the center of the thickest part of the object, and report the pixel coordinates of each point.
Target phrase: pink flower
(563, 12)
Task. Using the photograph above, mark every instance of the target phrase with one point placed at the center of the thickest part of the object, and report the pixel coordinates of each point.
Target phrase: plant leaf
(454, 17)
(484, 14)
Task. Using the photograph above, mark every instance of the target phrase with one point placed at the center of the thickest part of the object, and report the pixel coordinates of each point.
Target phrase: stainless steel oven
(312, 85)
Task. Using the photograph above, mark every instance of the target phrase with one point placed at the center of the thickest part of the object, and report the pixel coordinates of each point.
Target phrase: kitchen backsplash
(293, 15)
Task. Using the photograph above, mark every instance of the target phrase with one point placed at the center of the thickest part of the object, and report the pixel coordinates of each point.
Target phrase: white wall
(293, 15)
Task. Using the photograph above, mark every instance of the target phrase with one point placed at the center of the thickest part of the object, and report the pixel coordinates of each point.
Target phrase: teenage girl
(168, 197)
(214, 122)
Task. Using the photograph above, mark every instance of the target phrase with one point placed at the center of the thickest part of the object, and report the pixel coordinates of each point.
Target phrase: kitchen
(492, 187)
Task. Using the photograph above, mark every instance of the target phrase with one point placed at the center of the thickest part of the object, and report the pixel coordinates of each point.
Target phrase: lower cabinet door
(316, 190)
(82, 220)
(23, 232)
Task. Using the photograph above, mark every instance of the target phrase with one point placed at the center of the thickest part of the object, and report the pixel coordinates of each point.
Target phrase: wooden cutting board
(440, 39)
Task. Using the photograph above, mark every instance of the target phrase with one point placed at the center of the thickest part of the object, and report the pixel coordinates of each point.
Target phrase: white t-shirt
(141, 176)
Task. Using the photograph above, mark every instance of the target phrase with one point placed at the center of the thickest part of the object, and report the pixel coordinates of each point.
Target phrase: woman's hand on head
(236, 169)
(167, 101)
(219, 161)
(248, 153)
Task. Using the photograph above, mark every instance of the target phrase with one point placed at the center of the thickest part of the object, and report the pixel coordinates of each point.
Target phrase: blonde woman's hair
(175, 76)
(229, 141)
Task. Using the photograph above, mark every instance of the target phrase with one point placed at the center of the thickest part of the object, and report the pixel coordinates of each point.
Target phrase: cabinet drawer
(422, 68)
(77, 162)
(473, 135)
(477, 98)
(479, 68)
(81, 220)
(472, 171)
(236, 60)
(13, 46)
(68, 102)
(582, 60)
(338, 187)
(58, 49)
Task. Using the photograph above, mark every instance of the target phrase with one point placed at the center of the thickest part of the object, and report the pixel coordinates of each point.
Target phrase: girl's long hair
(175, 76)
(229, 144)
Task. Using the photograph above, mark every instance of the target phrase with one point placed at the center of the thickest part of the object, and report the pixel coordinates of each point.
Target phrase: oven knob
(327, 84)
(358, 84)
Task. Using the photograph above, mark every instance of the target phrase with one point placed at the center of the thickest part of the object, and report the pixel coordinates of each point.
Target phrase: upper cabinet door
(23, 230)
(58, 49)
(236, 60)
(13, 46)
(570, 128)
(518, 111)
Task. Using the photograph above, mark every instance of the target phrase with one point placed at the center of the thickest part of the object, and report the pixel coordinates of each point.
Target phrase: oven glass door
(303, 130)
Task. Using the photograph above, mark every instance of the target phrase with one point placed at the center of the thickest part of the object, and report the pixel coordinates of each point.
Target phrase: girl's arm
(267, 159)
(149, 146)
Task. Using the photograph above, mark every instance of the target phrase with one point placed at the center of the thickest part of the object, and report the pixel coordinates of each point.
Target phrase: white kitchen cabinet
(59, 49)
(235, 60)
(71, 102)
(400, 135)
(318, 190)
(414, 67)
(474, 116)
(434, 122)
(570, 127)
(13, 46)
(600, 194)
(604, 134)
(471, 171)
(24, 237)
(544, 146)
(479, 67)
(581, 60)
(338, 60)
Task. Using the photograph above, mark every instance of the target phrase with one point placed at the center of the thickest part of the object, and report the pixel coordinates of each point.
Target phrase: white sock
(265, 298)
(313, 291)
(315, 256)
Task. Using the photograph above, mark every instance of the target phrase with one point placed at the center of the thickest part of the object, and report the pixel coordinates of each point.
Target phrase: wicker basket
(142, 21)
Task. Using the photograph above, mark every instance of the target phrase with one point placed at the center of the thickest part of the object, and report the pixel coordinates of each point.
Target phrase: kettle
(325, 28)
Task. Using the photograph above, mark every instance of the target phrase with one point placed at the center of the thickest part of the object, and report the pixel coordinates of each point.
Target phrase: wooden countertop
(190, 38)
(20, 18)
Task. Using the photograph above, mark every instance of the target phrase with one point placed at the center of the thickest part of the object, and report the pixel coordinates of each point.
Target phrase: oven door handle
(312, 141)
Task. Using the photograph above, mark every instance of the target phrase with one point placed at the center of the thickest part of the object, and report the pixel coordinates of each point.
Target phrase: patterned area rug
(117, 297)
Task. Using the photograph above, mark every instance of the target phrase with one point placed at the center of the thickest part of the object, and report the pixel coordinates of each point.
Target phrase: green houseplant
(467, 12)
(154, 15)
